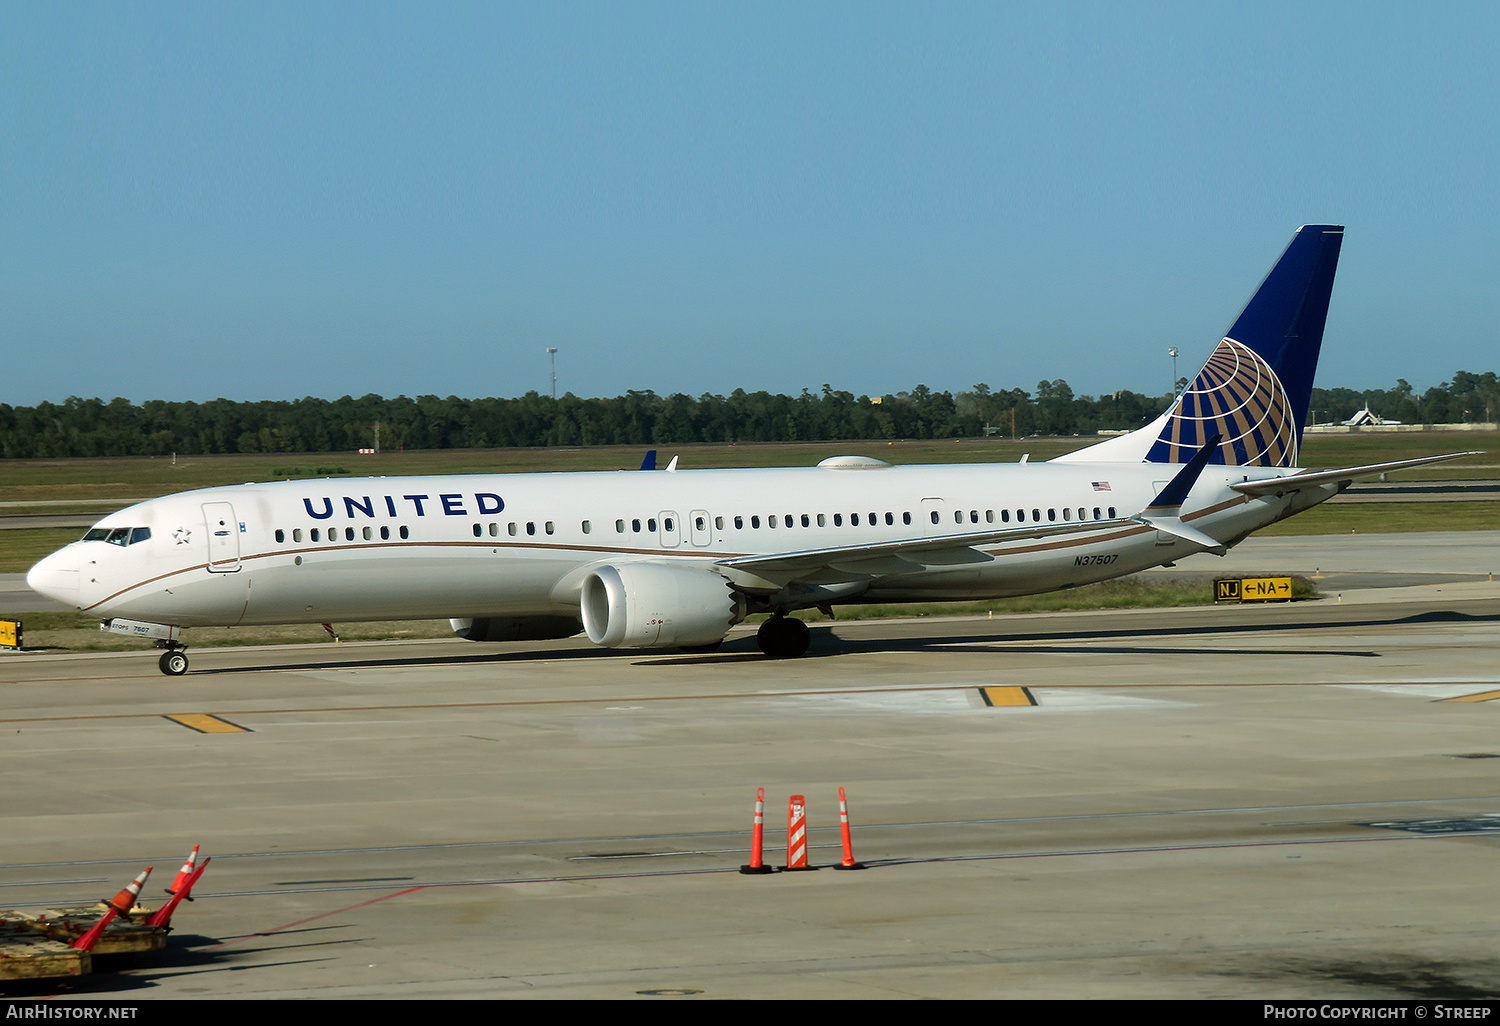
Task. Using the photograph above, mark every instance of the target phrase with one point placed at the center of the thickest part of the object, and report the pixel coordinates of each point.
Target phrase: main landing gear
(173, 661)
(783, 637)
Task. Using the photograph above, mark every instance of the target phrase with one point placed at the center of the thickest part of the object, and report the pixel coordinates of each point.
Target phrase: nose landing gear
(173, 662)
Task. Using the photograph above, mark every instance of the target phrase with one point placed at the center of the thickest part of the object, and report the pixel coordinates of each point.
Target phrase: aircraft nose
(56, 577)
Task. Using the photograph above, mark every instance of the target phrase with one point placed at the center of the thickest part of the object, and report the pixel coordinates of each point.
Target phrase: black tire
(173, 663)
(783, 637)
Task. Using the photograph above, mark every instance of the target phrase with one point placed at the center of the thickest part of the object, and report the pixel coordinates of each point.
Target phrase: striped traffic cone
(848, 862)
(796, 834)
(162, 917)
(757, 835)
(185, 872)
(125, 900)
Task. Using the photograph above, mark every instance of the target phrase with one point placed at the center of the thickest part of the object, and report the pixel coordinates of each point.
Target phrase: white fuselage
(520, 544)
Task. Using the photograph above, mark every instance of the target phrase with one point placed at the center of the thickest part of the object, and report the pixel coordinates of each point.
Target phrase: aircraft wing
(1343, 476)
(856, 562)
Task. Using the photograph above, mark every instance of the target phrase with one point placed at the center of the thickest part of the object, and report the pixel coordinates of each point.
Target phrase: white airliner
(669, 558)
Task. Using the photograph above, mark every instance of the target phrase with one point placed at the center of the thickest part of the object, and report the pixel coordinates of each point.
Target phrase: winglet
(649, 463)
(1176, 492)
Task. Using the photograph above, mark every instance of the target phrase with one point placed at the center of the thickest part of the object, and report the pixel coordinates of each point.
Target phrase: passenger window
(404, 532)
(280, 536)
(549, 527)
(838, 520)
(934, 516)
(478, 530)
(620, 526)
(635, 525)
(588, 527)
(511, 527)
(531, 527)
(314, 534)
(369, 534)
(296, 534)
(348, 534)
(651, 524)
(385, 534)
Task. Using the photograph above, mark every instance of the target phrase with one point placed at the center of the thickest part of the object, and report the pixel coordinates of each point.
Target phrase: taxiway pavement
(1298, 801)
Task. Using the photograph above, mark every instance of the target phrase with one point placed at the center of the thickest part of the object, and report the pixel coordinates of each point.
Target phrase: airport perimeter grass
(84, 484)
(76, 632)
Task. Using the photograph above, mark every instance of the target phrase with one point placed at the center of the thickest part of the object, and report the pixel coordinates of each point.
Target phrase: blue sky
(266, 200)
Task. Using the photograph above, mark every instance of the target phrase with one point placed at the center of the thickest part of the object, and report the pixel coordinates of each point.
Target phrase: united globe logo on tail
(1238, 396)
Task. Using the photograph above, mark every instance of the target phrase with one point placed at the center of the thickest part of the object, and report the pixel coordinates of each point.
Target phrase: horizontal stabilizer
(1344, 475)
(1177, 529)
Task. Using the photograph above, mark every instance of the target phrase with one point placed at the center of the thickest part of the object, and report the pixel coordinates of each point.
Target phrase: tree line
(93, 427)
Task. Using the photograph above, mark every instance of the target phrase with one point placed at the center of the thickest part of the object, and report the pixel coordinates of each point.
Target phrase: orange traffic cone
(185, 872)
(125, 900)
(848, 862)
(162, 917)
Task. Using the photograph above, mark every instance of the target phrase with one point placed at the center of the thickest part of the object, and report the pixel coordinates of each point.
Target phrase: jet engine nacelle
(516, 628)
(658, 605)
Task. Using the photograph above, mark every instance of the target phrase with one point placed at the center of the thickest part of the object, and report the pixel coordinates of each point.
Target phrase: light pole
(552, 352)
(1172, 352)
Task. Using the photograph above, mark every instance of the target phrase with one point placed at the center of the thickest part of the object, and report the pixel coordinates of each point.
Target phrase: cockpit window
(118, 535)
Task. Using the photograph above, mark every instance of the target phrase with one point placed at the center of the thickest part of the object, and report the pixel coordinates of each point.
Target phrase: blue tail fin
(1256, 386)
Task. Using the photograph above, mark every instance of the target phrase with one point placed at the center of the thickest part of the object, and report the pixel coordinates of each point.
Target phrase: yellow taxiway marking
(203, 723)
(1009, 696)
(1483, 696)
